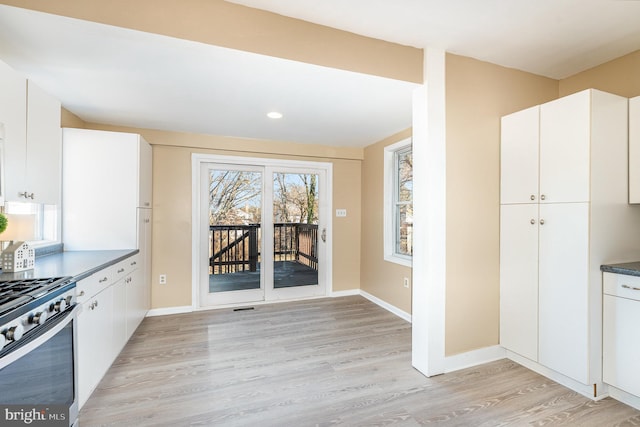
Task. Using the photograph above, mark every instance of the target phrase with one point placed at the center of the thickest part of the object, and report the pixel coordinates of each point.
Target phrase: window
(46, 221)
(398, 197)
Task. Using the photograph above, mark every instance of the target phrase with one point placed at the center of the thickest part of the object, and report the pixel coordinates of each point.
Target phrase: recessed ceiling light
(274, 115)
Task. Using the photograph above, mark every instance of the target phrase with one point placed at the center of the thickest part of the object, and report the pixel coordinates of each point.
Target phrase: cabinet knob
(542, 222)
(533, 197)
(121, 270)
(104, 279)
(542, 197)
(533, 221)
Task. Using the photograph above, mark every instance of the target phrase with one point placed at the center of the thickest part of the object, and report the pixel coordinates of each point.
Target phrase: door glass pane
(295, 229)
(235, 205)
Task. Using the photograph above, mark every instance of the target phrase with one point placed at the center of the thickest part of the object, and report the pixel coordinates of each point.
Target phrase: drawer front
(622, 285)
(90, 286)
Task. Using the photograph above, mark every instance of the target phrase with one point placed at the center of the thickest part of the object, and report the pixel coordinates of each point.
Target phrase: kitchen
(470, 83)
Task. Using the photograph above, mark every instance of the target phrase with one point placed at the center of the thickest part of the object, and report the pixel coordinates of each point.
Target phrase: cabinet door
(621, 347)
(145, 196)
(144, 245)
(564, 288)
(13, 108)
(119, 326)
(565, 149)
(519, 156)
(95, 342)
(634, 150)
(100, 190)
(519, 279)
(44, 146)
(136, 301)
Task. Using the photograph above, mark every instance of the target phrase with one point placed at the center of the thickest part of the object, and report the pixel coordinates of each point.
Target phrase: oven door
(39, 375)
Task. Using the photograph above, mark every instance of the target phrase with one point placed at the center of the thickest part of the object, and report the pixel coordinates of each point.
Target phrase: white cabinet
(13, 105)
(519, 156)
(519, 279)
(551, 248)
(106, 178)
(32, 141)
(634, 150)
(621, 346)
(95, 341)
(105, 320)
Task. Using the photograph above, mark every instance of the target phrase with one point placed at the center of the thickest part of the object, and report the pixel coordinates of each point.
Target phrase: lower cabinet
(621, 346)
(113, 303)
(95, 342)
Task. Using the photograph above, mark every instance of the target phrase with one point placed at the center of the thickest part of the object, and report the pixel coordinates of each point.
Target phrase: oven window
(42, 377)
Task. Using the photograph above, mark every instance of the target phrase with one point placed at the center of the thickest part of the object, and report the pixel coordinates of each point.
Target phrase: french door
(263, 231)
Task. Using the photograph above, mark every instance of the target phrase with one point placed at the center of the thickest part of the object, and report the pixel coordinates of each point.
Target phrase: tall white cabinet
(564, 212)
(107, 202)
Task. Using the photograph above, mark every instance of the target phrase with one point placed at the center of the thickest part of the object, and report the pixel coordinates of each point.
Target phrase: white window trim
(389, 185)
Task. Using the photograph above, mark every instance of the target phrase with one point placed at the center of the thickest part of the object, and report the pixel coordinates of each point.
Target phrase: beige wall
(477, 95)
(380, 278)
(171, 237)
(620, 76)
(220, 23)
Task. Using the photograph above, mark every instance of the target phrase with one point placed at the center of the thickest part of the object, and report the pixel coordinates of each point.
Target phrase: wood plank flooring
(334, 361)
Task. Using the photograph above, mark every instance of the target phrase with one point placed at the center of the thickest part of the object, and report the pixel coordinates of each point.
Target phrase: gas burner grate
(15, 292)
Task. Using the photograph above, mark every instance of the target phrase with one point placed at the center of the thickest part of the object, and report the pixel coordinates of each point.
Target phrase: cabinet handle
(81, 294)
(27, 195)
(533, 221)
(542, 222)
(133, 263)
(633, 288)
(121, 270)
(147, 203)
(533, 197)
(146, 221)
(542, 197)
(104, 279)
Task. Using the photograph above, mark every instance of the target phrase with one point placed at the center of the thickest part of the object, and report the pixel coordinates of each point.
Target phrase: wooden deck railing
(235, 248)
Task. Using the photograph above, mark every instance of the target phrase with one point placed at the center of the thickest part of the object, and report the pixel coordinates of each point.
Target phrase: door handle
(323, 236)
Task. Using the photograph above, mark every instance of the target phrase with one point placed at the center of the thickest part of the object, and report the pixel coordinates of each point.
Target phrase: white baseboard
(585, 390)
(169, 310)
(624, 397)
(474, 358)
(392, 308)
(347, 293)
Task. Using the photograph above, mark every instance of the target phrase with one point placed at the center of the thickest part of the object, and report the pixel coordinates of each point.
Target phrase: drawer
(94, 284)
(622, 285)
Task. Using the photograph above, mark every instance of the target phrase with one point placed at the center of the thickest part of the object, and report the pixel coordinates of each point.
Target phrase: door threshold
(255, 303)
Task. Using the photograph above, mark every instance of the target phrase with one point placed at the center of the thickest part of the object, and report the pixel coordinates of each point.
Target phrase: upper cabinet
(565, 132)
(634, 150)
(106, 178)
(32, 142)
(545, 152)
(519, 152)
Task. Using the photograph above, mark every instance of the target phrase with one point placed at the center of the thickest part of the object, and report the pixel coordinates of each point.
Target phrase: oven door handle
(36, 342)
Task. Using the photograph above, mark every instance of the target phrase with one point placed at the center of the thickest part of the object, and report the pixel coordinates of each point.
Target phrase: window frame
(390, 202)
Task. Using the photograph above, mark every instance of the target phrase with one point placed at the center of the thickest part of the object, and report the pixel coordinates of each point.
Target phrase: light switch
(341, 212)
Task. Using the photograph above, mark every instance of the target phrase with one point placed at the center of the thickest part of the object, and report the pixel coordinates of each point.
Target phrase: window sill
(406, 261)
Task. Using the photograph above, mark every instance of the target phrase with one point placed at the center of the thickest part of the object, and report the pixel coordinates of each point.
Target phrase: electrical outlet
(405, 282)
(163, 279)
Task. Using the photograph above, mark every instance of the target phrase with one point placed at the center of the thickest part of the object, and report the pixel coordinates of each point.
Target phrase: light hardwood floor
(334, 361)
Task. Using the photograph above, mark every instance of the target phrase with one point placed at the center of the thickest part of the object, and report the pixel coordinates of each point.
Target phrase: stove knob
(14, 333)
(38, 318)
(69, 299)
(61, 305)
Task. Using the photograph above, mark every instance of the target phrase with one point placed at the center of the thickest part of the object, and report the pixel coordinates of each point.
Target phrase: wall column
(429, 211)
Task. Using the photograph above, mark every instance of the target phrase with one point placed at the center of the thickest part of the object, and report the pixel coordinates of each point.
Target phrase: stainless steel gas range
(38, 383)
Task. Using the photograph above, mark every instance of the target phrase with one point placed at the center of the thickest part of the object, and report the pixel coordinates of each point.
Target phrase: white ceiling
(112, 75)
(553, 38)
(118, 76)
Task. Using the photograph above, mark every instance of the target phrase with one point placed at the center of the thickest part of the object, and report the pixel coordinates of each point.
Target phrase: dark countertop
(628, 268)
(77, 264)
